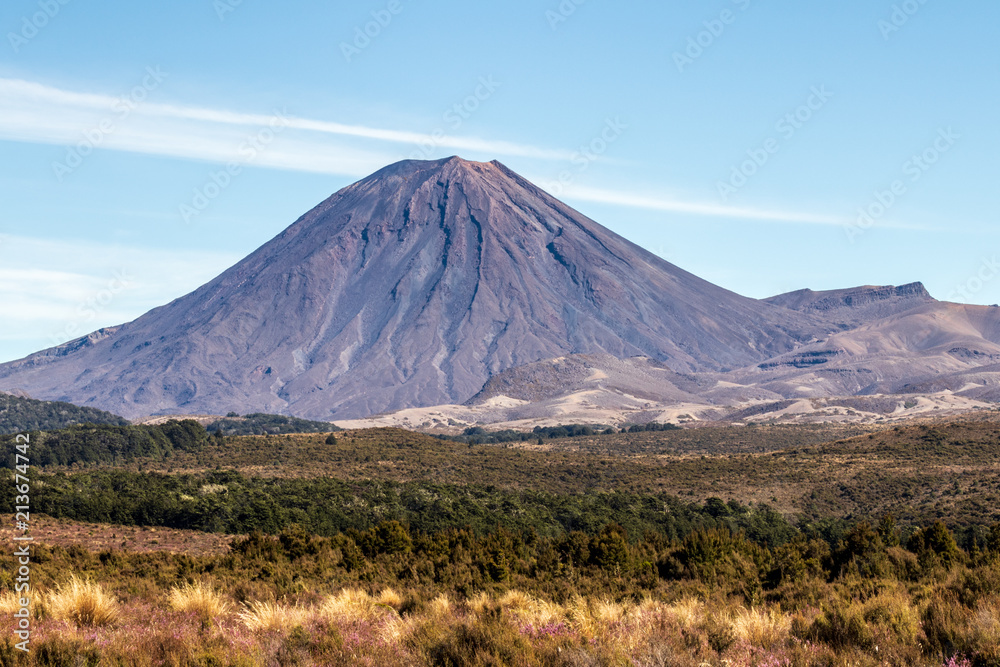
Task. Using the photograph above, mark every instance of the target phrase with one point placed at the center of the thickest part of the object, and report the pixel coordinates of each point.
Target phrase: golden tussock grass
(271, 616)
(351, 604)
(390, 598)
(579, 616)
(348, 604)
(761, 628)
(894, 611)
(479, 603)
(531, 610)
(591, 618)
(200, 599)
(10, 602)
(83, 603)
(440, 607)
(688, 612)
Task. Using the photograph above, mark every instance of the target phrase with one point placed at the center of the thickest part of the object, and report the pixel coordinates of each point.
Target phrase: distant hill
(264, 424)
(858, 305)
(26, 414)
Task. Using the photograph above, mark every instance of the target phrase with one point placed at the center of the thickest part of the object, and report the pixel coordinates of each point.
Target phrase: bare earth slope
(410, 288)
(932, 341)
(858, 305)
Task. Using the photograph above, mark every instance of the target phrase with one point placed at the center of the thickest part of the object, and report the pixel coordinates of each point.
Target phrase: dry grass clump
(688, 613)
(528, 609)
(761, 628)
(987, 617)
(352, 605)
(83, 603)
(349, 604)
(10, 602)
(271, 616)
(200, 599)
(986, 629)
(440, 607)
(479, 603)
(389, 598)
(600, 620)
(579, 616)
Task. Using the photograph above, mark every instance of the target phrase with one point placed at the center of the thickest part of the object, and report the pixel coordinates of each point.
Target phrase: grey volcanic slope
(410, 288)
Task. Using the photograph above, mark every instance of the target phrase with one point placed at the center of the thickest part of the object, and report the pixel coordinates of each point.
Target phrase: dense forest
(18, 415)
(107, 444)
(259, 423)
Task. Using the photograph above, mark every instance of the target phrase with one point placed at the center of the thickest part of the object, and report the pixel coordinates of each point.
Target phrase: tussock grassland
(712, 598)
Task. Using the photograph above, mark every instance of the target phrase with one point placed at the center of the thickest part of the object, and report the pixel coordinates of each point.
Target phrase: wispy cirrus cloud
(669, 205)
(600, 196)
(34, 112)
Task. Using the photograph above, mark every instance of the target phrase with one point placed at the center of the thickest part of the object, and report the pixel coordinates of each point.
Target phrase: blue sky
(146, 149)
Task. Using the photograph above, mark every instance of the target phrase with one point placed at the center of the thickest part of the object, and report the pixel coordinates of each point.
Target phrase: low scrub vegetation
(382, 547)
(296, 599)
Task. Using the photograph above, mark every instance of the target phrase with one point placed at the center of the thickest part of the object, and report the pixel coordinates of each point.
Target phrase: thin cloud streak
(600, 196)
(715, 210)
(37, 113)
(55, 99)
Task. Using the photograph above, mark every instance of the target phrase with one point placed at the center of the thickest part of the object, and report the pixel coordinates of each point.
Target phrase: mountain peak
(411, 287)
(451, 165)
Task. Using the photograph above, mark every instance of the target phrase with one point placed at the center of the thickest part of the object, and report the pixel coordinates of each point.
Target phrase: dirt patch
(101, 537)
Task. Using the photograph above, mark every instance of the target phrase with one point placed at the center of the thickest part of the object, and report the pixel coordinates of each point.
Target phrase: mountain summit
(411, 287)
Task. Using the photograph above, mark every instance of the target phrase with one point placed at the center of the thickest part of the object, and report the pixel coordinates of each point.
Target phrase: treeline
(228, 502)
(232, 503)
(477, 435)
(259, 423)
(108, 444)
(465, 560)
(20, 415)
